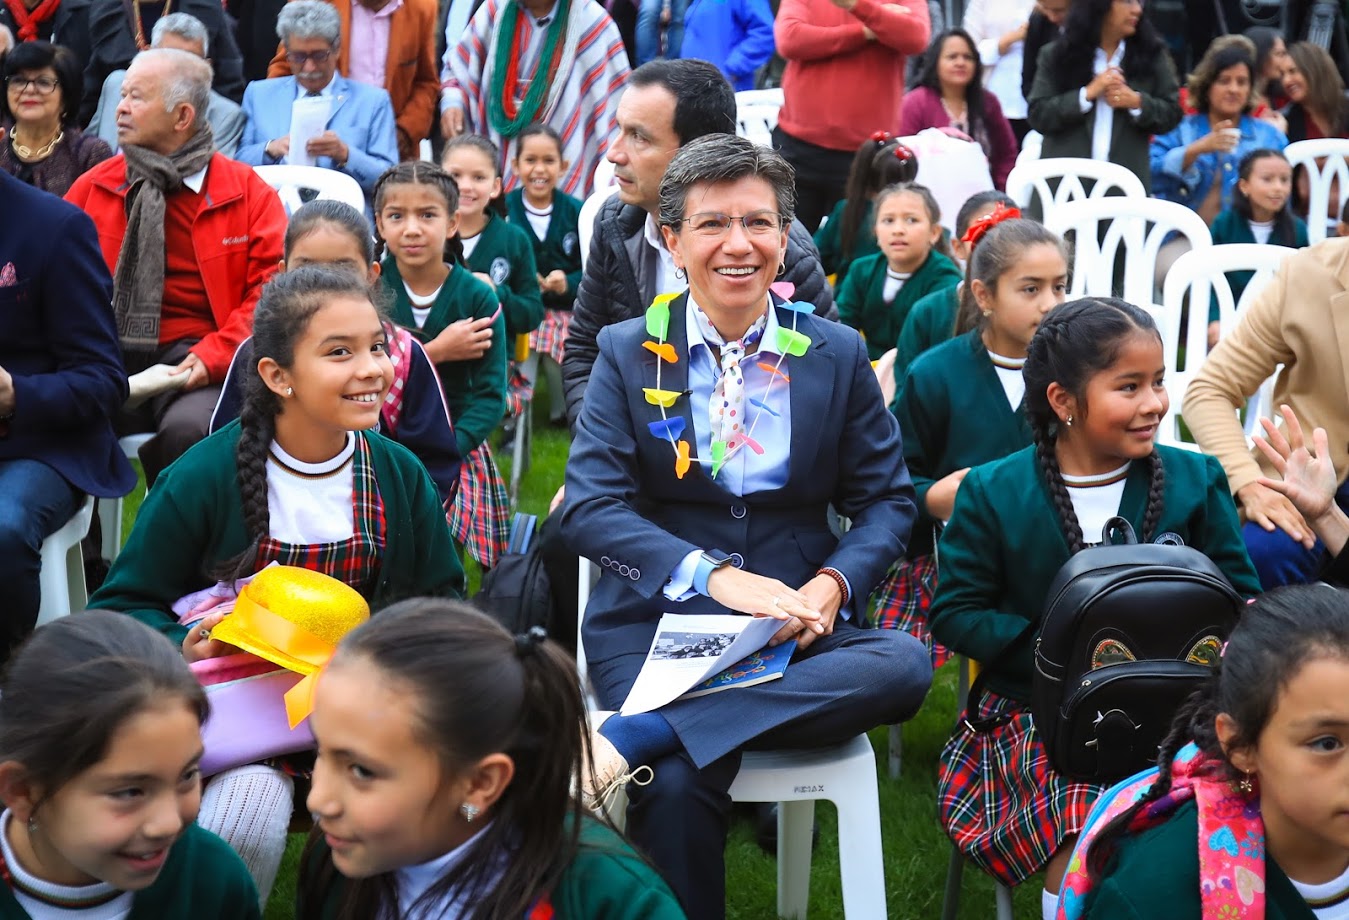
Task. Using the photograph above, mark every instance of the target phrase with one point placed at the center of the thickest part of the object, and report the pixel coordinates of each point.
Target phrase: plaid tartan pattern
(399, 345)
(480, 519)
(354, 561)
(519, 391)
(1001, 802)
(551, 336)
(902, 601)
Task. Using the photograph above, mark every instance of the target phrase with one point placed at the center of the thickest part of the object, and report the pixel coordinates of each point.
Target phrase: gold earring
(1244, 785)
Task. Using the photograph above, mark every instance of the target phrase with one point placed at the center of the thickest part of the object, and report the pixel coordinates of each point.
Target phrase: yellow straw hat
(293, 617)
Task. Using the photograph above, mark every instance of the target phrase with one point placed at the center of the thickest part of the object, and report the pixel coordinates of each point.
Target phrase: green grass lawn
(915, 848)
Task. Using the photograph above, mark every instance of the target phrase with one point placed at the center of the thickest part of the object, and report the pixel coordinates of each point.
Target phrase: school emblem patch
(500, 270)
(569, 244)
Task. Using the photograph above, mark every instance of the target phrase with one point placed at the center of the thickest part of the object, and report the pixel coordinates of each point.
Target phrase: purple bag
(248, 720)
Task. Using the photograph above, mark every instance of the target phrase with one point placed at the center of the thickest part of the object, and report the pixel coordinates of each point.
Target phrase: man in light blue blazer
(360, 139)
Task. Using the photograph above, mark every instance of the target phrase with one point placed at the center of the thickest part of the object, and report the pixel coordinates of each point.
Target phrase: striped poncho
(582, 101)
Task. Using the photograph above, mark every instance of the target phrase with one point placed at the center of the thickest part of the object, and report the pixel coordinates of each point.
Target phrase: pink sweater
(839, 85)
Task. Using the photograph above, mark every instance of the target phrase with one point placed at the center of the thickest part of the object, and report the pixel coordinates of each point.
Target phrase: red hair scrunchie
(978, 228)
(880, 137)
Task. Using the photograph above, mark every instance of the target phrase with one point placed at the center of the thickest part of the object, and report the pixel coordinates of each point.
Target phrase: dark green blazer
(861, 306)
(560, 249)
(931, 322)
(953, 413)
(474, 390)
(1055, 111)
(1155, 874)
(192, 522)
(505, 255)
(1004, 545)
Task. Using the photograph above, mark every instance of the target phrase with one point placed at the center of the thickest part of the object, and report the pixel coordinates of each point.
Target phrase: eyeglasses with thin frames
(713, 224)
(44, 86)
(298, 58)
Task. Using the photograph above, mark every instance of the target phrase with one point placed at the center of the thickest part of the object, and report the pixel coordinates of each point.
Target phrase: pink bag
(248, 720)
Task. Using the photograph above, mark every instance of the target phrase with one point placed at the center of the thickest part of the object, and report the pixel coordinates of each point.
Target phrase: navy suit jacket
(58, 340)
(361, 116)
(627, 510)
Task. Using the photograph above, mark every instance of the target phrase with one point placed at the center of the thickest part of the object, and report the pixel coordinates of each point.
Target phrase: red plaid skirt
(903, 600)
(519, 391)
(999, 799)
(480, 519)
(551, 336)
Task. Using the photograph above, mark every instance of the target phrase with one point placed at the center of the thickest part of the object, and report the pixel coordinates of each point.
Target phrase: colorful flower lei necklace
(789, 342)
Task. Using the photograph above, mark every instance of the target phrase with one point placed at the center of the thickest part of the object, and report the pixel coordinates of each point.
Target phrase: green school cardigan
(953, 413)
(931, 322)
(1156, 874)
(1231, 227)
(192, 521)
(1004, 545)
(606, 880)
(560, 248)
(474, 390)
(829, 240)
(202, 879)
(505, 255)
(861, 306)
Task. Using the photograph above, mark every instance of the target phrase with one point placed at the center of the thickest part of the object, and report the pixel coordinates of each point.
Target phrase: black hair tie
(526, 643)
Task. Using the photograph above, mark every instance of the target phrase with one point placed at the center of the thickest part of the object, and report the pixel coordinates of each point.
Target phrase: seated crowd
(825, 381)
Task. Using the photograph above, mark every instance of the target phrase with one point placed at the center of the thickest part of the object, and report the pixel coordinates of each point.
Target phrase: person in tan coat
(393, 47)
(1301, 321)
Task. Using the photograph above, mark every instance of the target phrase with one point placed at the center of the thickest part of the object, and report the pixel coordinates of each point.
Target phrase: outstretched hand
(1308, 478)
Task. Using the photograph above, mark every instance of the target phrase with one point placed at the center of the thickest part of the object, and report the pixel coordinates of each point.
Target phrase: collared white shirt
(1103, 126)
(667, 282)
(196, 180)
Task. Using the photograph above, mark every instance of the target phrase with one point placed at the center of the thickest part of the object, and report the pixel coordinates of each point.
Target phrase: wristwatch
(707, 564)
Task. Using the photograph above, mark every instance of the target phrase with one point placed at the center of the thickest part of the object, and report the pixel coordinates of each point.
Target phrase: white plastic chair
(604, 175)
(845, 775)
(288, 180)
(756, 122)
(1136, 228)
(1326, 166)
(585, 224)
(110, 509)
(772, 96)
(1201, 277)
(1031, 179)
(62, 578)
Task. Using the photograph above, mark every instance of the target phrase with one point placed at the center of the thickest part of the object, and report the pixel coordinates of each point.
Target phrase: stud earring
(987, 314)
(290, 391)
(1068, 421)
(469, 811)
(32, 824)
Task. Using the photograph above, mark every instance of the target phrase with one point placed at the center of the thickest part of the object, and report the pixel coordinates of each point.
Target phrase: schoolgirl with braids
(443, 786)
(459, 322)
(961, 403)
(1245, 814)
(1095, 395)
(300, 479)
(847, 233)
(496, 251)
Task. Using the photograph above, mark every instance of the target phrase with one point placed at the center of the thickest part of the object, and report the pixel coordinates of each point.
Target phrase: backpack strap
(980, 726)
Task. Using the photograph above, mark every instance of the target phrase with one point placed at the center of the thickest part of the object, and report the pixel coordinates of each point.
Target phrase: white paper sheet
(687, 650)
(308, 119)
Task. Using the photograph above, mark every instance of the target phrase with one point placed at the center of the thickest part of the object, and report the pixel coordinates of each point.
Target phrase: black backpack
(1129, 631)
(515, 592)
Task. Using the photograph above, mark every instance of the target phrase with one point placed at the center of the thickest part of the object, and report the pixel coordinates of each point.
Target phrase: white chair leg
(896, 733)
(796, 826)
(110, 527)
(861, 863)
(77, 592)
(1003, 895)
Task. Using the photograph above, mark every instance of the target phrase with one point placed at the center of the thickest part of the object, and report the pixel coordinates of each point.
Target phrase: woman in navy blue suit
(716, 433)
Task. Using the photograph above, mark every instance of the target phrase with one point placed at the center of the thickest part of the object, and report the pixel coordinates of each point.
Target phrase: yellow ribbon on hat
(274, 633)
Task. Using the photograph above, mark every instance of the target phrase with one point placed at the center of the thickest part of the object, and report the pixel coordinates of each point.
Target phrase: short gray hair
(187, 79)
(185, 26)
(309, 19)
(724, 158)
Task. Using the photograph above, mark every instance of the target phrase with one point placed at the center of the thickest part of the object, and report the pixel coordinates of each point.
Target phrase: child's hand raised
(462, 340)
(1308, 479)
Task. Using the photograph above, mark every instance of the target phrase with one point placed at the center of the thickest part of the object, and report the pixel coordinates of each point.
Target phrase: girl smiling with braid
(1095, 395)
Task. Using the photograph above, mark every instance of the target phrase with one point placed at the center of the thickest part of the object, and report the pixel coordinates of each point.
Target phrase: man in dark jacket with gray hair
(665, 105)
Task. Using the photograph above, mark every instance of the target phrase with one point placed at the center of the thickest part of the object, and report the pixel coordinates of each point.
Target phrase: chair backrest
(1077, 179)
(756, 122)
(290, 180)
(1327, 176)
(585, 224)
(1195, 280)
(1135, 230)
(604, 175)
(772, 96)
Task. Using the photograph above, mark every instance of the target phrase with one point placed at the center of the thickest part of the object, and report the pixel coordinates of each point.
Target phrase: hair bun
(526, 643)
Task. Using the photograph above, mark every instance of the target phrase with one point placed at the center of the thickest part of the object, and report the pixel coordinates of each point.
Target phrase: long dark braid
(287, 304)
(1074, 343)
(419, 172)
(1275, 637)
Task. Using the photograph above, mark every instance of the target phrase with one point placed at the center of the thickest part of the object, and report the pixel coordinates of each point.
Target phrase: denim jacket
(1190, 187)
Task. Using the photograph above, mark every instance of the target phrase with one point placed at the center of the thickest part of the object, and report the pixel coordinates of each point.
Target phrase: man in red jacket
(844, 81)
(190, 237)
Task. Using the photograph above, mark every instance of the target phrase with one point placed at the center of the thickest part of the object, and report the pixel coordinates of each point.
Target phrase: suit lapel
(341, 93)
(674, 377)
